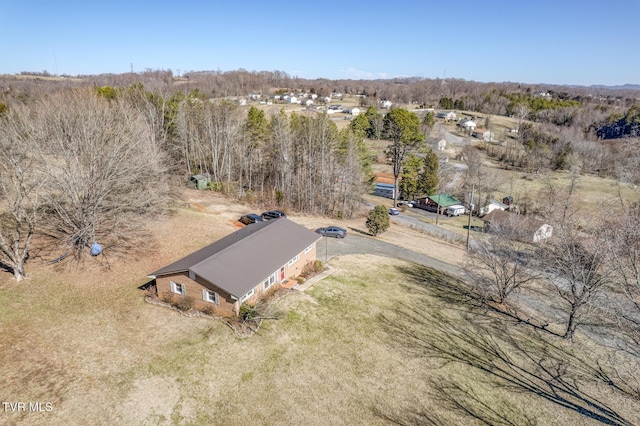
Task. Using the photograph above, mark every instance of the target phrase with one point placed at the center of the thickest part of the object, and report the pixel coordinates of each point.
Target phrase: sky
(566, 42)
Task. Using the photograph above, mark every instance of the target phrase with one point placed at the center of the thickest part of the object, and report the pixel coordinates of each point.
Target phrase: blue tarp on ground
(96, 249)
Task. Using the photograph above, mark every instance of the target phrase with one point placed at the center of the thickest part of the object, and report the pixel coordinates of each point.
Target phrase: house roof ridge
(259, 226)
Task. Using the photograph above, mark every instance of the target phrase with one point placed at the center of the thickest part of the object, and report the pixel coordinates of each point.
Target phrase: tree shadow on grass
(444, 321)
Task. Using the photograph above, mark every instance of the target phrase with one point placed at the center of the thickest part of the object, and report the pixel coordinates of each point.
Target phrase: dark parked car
(273, 214)
(250, 218)
(332, 231)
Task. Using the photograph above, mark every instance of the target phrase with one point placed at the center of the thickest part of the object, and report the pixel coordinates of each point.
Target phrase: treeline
(88, 165)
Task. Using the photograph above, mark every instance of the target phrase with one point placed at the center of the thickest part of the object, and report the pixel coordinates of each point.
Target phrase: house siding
(294, 270)
(193, 288)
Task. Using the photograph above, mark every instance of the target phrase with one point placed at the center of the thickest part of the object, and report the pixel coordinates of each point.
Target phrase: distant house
(441, 145)
(436, 202)
(524, 228)
(386, 104)
(386, 190)
(447, 115)
(240, 266)
(468, 125)
(493, 205)
(484, 134)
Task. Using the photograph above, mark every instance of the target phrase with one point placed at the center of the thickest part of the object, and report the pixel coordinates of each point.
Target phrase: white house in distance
(493, 205)
(468, 125)
(386, 104)
(441, 145)
(447, 115)
(484, 134)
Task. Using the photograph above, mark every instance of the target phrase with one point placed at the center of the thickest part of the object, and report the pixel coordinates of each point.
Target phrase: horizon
(571, 44)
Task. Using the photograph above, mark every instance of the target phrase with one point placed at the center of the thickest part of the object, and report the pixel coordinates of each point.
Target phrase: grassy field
(379, 341)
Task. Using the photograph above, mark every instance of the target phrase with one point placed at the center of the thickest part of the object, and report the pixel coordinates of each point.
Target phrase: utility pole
(470, 212)
(326, 249)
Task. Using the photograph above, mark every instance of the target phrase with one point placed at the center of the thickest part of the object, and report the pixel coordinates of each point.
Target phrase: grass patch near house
(366, 345)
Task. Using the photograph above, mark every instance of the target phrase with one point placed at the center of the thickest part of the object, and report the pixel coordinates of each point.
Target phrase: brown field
(343, 352)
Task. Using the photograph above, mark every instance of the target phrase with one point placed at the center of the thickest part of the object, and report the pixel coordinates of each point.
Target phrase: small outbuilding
(200, 181)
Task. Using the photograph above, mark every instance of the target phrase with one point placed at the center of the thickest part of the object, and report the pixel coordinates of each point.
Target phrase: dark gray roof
(239, 261)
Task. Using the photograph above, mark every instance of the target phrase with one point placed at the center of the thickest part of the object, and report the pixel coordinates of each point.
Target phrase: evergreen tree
(411, 172)
(403, 128)
(378, 220)
(428, 181)
(360, 125)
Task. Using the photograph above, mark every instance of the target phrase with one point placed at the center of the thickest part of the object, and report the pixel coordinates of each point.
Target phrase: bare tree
(579, 269)
(105, 174)
(19, 191)
(503, 263)
(624, 246)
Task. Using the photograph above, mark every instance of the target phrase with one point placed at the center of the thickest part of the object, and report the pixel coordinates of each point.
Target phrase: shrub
(184, 303)
(247, 311)
(167, 298)
(378, 220)
(311, 269)
(208, 310)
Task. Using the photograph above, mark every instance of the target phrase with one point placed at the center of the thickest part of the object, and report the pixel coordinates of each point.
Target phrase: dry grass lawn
(350, 350)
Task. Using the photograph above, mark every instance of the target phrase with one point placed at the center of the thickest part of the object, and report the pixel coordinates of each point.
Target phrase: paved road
(360, 244)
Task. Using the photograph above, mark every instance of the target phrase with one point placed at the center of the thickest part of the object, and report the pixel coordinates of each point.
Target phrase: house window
(210, 296)
(248, 295)
(269, 281)
(292, 261)
(177, 288)
(308, 249)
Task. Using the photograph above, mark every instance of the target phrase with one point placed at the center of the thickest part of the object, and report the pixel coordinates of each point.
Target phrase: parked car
(332, 231)
(273, 214)
(394, 211)
(250, 218)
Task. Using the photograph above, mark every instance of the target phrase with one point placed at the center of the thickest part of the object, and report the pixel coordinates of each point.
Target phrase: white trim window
(248, 295)
(294, 260)
(269, 281)
(177, 288)
(210, 296)
(308, 249)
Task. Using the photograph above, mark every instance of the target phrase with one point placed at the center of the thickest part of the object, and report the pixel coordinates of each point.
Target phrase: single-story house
(386, 104)
(484, 134)
(447, 115)
(240, 266)
(432, 202)
(493, 205)
(468, 125)
(522, 227)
